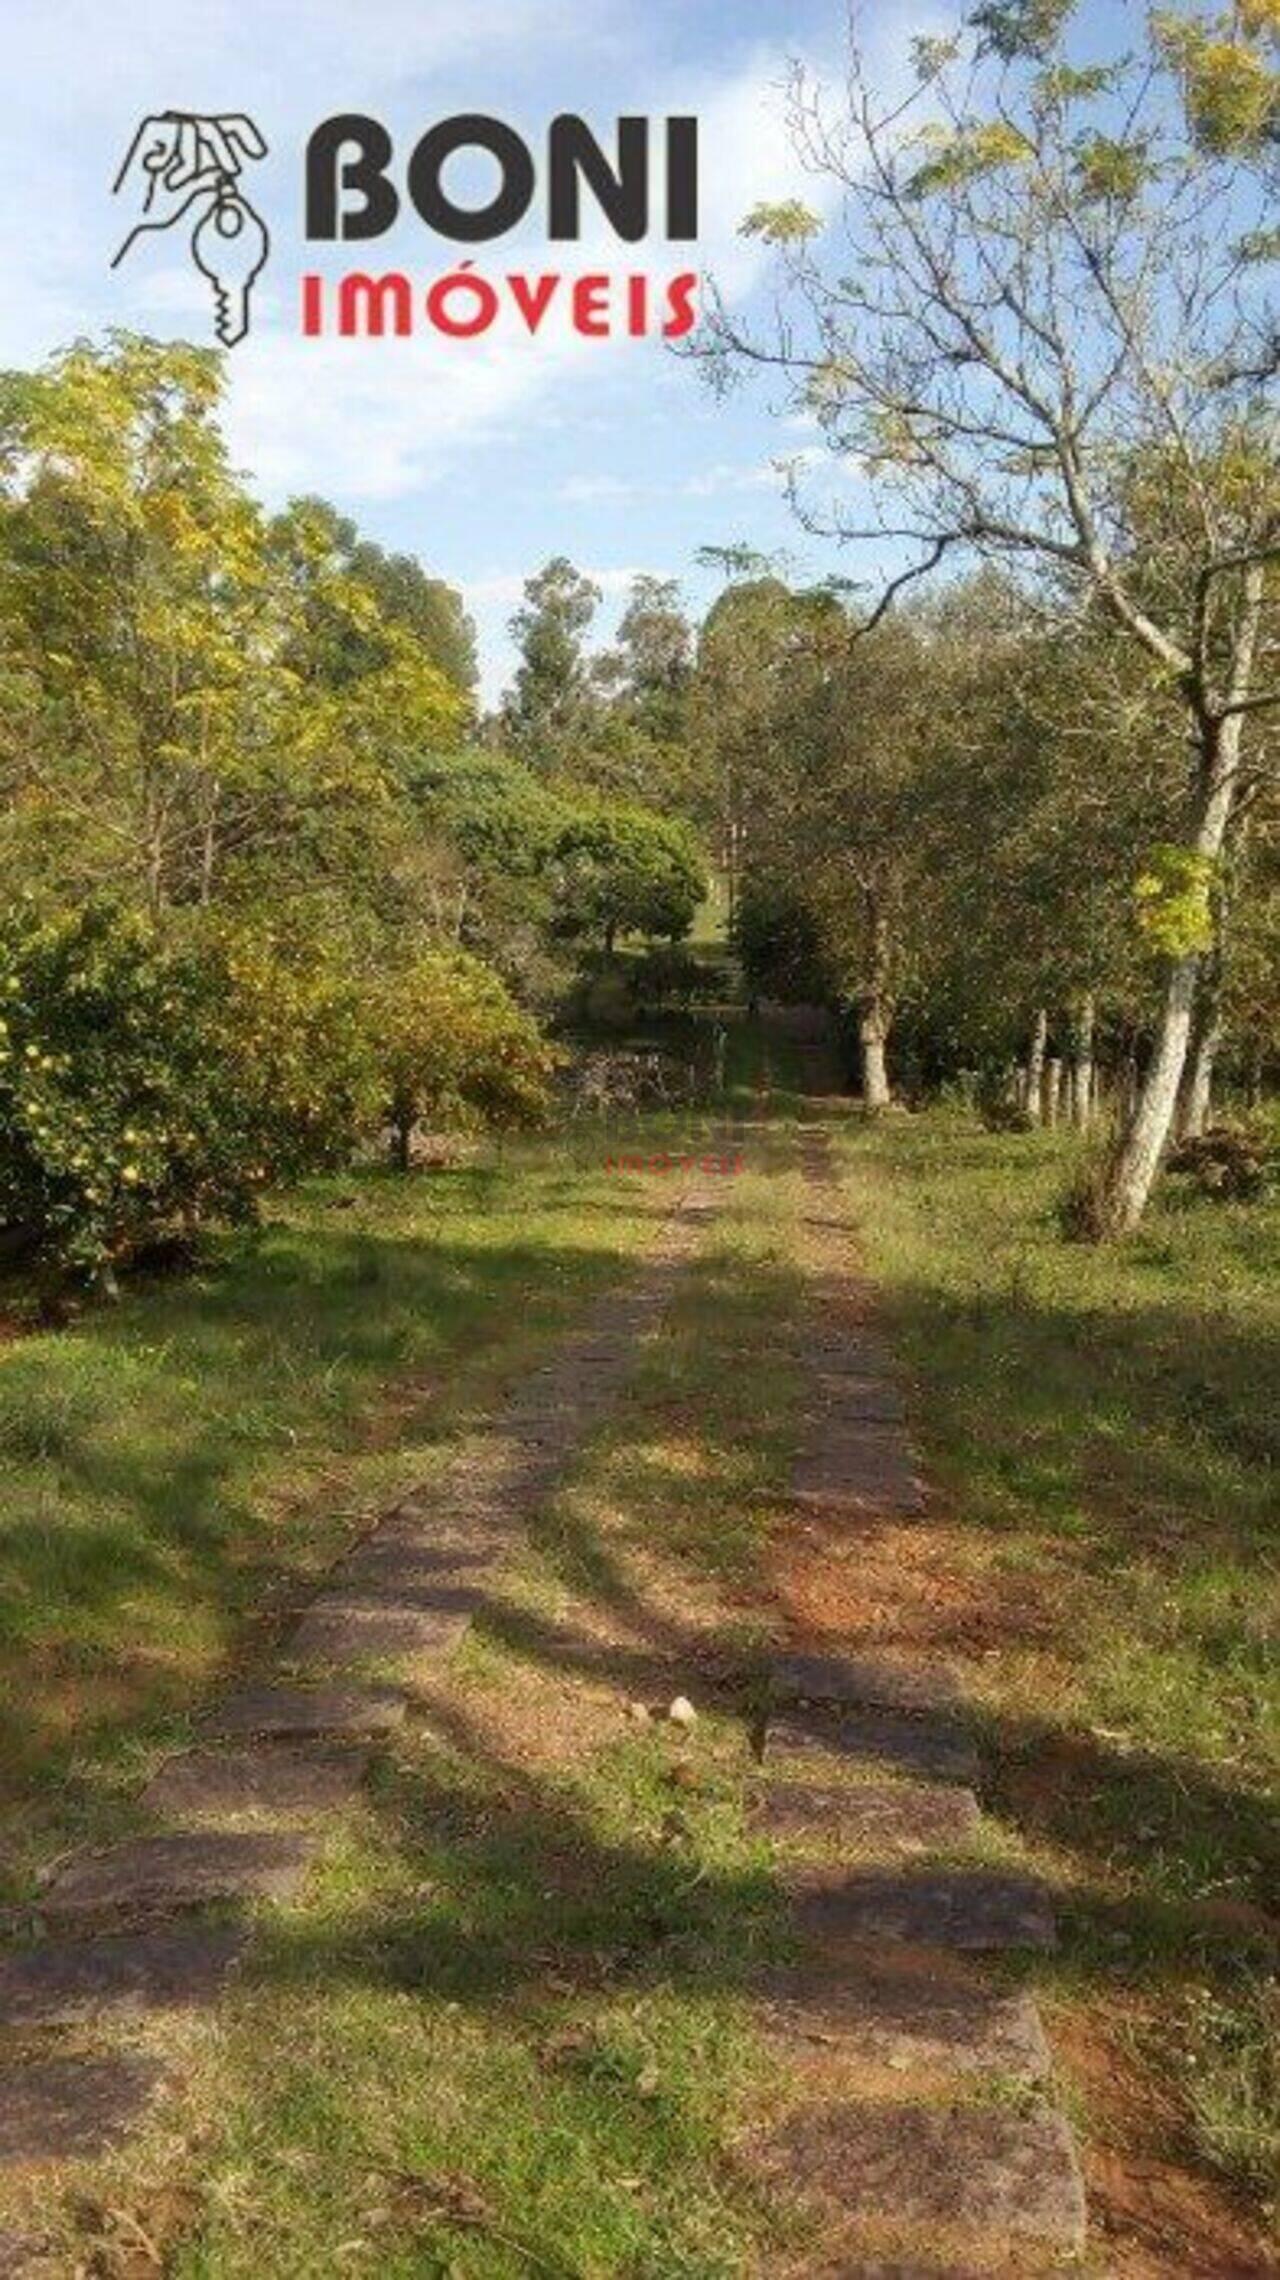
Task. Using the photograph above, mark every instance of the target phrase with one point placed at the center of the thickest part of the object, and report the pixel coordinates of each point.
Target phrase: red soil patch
(1155, 2215)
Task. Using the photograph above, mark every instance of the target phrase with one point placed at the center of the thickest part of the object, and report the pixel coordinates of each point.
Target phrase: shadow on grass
(136, 1540)
(1156, 1844)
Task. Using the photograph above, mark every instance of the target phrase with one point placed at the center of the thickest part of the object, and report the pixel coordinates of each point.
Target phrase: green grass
(172, 1467)
(506, 2030)
(1103, 1425)
(513, 2032)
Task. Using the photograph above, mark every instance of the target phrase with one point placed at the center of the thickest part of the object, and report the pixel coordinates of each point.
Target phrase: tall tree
(180, 720)
(652, 663)
(1057, 268)
(550, 704)
(356, 594)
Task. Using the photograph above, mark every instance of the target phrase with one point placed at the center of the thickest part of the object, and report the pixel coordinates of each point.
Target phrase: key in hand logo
(185, 163)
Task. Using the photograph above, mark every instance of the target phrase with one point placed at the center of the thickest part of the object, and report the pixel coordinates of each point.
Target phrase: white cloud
(589, 490)
(712, 482)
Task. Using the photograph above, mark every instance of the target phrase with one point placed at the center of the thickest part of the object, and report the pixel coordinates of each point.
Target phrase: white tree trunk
(875, 1008)
(1137, 1160)
(1035, 1066)
(1082, 1079)
(1197, 1091)
(1052, 1090)
(1143, 1145)
(873, 1038)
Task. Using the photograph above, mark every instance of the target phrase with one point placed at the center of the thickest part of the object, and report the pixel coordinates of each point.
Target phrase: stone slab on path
(973, 1909)
(152, 1875)
(279, 1777)
(865, 1464)
(340, 1636)
(66, 2109)
(306, 1711)
(394, 1592)
(383, 1563)
(849, 1391)
(907, 2011)
(63, 1982)
(866, 1682)
(938, 1748)
(982, 2170)
(873, 1816)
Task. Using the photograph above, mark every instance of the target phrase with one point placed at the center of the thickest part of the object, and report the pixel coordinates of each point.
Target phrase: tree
(624, 870)
(493, 825)
(841, 810)
(353, 594)
(651, 667)
(181, 718)
(745, 646)
(455, 1050)
(551, 701)
(1045, 279)
(152, 1075)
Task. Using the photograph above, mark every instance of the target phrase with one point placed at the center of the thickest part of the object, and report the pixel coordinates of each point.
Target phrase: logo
(181, 164)
(186, 169)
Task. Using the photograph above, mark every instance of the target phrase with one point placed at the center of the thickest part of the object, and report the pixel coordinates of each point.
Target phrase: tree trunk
(1197, 1082)
(873, 1036)
(1082, 1078)
(1137, 1159)
(875, 1008)
(402, 1123)
(1052, 1091)
(1035, 1066)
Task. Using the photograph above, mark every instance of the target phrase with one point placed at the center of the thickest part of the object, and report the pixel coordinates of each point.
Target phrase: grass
(506, 2031)
(171, 1469)
(1103, 1427)
(507, 2028)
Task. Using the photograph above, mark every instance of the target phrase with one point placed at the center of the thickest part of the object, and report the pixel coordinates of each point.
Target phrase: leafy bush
(1083, 1208)
(153, 1075)
(1227, 1161)
(997, 1103)
(455, 1050)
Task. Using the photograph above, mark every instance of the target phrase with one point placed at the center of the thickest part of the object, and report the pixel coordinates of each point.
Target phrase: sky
(482, 458)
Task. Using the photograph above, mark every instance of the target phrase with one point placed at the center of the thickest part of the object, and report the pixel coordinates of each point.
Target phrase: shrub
(1227, 1161)
(455, 1050)
(1083, 1208)
(153, 1075)
(997, 1103)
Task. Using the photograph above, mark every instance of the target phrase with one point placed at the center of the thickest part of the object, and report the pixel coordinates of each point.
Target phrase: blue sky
(483, 458)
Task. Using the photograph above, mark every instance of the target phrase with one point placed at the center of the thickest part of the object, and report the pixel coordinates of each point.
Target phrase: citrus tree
(454, 1050)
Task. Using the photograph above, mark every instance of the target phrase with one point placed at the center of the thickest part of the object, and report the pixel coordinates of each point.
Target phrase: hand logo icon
(185, 163)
